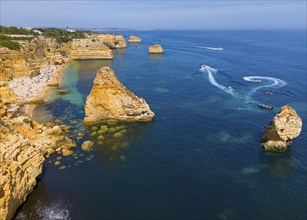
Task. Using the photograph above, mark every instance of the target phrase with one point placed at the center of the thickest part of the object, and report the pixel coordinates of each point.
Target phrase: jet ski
(203, 67)
(269, 107)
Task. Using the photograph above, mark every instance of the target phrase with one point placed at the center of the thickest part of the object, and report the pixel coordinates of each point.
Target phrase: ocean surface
(200, 158)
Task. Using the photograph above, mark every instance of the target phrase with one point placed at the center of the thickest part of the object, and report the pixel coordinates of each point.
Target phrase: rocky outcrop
(89, 49)
(32, 56)
(23, 145)
(7, 95)
(110, 100)
(278, 135)
(155, 49)
(20, 164)
(134, 39)
(113, 41)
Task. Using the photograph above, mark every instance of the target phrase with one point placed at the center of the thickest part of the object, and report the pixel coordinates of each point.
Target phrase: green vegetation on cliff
(16, 30)
(7, 42)
(62, 36)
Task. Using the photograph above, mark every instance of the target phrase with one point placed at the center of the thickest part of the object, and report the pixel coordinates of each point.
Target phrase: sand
(29, 88)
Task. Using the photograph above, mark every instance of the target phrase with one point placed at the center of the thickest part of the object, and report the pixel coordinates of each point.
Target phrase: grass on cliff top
(8, 43)
(61, 36)
(16, 30)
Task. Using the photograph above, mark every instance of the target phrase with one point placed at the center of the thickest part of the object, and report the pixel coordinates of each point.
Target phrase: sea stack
(285, 126)
(110, 100)
(134, 39)
(155, 49)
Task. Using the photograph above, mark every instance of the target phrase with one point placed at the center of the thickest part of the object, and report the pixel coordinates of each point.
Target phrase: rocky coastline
(26, 78)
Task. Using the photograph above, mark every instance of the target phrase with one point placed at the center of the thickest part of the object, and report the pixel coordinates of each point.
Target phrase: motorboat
(269, 92)
(269, 107)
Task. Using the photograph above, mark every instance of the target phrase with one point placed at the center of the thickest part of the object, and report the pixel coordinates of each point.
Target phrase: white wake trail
(210, 48)
(212, 80)
(276, 83)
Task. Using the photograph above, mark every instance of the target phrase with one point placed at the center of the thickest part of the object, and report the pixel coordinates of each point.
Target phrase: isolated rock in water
(110, 100)
(134, 39)
(286, 125)
(155, 49)
(87, 145)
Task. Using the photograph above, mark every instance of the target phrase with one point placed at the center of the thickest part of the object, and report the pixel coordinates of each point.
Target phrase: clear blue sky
(210, 14)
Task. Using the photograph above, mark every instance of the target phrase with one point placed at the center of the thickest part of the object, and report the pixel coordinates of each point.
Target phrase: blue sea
(201, 157)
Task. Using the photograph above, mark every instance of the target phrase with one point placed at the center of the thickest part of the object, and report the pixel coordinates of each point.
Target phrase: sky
(173, 14)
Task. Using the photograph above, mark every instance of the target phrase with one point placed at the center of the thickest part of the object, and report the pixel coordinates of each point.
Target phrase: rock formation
(113, 41)
(23, 144)
(110, 100)
(134, 39)
(27, 61)
(155, 49)
(20, 164)
(89, 49)
(278, 135)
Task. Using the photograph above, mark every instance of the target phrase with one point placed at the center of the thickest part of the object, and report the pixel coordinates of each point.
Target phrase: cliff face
(23, 144)
(155, 49)
(113, 41)
(20, 163)
(89, 49)
(286, 125)
(33, 55)
(110, 100)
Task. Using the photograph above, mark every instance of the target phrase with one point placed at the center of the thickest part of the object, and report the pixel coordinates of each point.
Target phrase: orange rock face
(110, 100)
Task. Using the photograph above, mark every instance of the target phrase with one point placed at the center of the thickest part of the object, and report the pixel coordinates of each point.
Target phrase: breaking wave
(58, 210)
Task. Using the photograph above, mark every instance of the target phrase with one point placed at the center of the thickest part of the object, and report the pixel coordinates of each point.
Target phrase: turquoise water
(200, 158)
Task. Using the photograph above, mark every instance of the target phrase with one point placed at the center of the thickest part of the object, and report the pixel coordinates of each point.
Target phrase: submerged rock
(278, 135)
(63, 92)
(110, 100)
(155, 49)
(134, 39)
(87, 145)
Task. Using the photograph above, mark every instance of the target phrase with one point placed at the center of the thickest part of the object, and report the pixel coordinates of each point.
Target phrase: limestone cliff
(23, 144)
(134, 39)
(113, 41)
(278, 135)
(20, 164)
(33, 55)
(111, 100)
(89, 49)
(155, 49)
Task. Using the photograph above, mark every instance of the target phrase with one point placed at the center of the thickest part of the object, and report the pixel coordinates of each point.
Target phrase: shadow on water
(278, 164)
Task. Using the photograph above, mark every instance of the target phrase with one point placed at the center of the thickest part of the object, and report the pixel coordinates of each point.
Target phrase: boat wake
(210, 48)
(265, 82)
(211, 72)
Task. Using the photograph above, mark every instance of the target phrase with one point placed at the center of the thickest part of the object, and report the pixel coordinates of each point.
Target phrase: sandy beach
(36, 88)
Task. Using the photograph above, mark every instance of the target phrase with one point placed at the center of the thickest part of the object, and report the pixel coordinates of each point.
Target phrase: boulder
(155, 49)
(285, 126)
(110, 100)
(134, 39)
(87, 145)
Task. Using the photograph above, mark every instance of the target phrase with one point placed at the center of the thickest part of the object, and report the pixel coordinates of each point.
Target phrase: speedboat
(269, 107)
